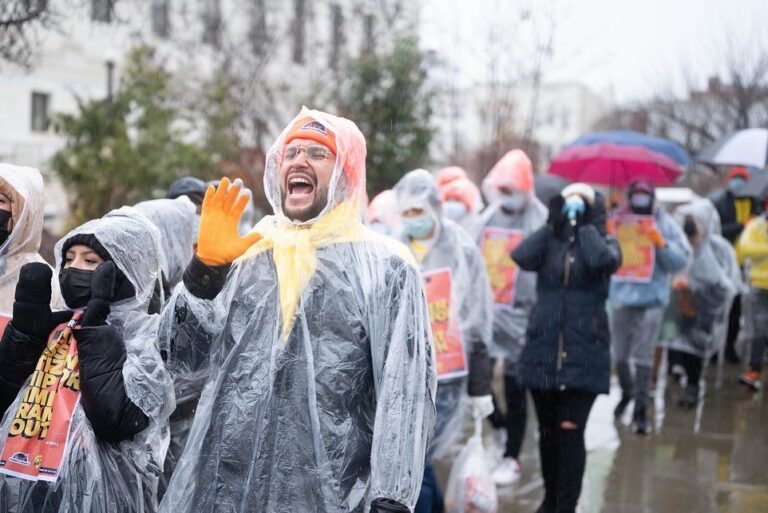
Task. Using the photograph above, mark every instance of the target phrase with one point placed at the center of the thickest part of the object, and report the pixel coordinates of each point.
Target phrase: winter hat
(449, 174)
(189, 186)
(309, 128)
(738, 172)
(581, 189)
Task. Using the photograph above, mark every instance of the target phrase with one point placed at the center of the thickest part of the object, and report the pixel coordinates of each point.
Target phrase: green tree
(388, 97)
(121, 150)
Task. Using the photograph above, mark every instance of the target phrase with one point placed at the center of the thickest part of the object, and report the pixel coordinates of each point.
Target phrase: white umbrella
(743, 148)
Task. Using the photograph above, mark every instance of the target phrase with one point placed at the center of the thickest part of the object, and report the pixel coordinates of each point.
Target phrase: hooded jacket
(322, 381)
(119, 429)
(713, 279)
(24, 186)
(470, 298)
(567, 344)
(670, 259)
(510, 321)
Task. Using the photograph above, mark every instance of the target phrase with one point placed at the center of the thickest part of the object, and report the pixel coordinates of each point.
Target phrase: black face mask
(689, 227)
(75, 286)
(5, 218)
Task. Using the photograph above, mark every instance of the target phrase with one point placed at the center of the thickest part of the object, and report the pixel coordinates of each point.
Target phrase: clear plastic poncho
(513, 171)
(96, 476)
(471, 303)
(24, 186)
(321, 393)
(714, 279)
(382, 213)
(176, 219)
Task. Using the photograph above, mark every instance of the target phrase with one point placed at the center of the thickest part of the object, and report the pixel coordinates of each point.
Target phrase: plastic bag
(470, 486)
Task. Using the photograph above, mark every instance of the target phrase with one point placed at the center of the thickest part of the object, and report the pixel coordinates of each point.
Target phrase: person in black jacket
(566, 360)
(735, 211)
(118, 431)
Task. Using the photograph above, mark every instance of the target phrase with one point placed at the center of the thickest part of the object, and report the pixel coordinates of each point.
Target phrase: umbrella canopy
(614, 165)
(743, 148)
(632, 138)
(548, 186)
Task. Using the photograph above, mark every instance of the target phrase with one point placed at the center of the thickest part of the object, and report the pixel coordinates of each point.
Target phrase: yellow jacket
(753, 246)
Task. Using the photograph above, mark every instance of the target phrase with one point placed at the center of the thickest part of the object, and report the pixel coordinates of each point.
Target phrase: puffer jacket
(567, 345)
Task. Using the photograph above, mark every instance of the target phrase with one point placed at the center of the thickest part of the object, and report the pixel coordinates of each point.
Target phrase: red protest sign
(446, 331)
(496, 245)
(38, 438)
(638, 255)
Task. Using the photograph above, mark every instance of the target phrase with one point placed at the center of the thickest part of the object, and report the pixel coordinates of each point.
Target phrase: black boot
(731, 356)
(622, 406)
(640, 420)
(690, 398)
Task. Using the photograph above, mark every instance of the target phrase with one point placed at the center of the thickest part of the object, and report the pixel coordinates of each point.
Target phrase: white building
(289, 46)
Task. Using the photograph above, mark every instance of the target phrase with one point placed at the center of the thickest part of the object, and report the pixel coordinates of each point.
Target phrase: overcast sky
(635, 47)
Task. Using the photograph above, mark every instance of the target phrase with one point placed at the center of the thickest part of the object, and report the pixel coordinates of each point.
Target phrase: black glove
(480, 370)
(102, 292)
(557, 220)
(32, 313)
(388, 506)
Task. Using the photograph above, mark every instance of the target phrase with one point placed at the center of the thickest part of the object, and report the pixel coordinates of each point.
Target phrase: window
(40, 118)
(369, 27)
(299, 29)
(258, 34)
(212, 23)
(161, 25)
(101, 10)
(337, 35)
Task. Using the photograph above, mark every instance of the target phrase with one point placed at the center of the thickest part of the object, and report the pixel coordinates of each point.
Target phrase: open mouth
(300, 186)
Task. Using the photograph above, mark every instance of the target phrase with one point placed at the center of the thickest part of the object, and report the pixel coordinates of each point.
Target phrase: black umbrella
(548, 186)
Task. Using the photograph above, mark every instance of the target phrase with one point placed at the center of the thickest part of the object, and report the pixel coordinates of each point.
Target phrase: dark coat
(101, 352)
(731, 225)
(567, 345)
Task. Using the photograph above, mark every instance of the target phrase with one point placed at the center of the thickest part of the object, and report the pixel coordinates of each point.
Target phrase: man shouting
(314, 328)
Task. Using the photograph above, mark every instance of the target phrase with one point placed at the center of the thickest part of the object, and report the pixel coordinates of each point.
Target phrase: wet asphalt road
(713, 459)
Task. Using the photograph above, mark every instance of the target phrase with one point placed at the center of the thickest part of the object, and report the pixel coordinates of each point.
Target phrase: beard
(310, 212)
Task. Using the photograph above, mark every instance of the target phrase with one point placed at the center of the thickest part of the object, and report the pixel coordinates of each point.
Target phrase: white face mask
(640, 200)
(454, 210)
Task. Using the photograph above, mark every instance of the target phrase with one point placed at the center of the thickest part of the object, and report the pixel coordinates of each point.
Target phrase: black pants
(562, 419)
(515, 419)
(733, 323)
(757, 353)
(691, 363)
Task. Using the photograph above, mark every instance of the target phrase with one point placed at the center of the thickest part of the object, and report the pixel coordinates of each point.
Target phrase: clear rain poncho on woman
(24, 186)
(713, 278)
(97, 476)
(176, 219)
(471, 303)
(321, 394)
(513, 171)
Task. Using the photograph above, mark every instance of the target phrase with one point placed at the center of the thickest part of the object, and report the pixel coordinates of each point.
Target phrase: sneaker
(507, 472)
(751, 379)
(622, 406)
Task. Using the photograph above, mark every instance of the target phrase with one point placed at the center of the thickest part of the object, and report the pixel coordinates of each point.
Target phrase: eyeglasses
(313, 152)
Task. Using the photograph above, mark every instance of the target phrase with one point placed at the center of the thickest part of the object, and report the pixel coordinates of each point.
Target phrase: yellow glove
(218, 240)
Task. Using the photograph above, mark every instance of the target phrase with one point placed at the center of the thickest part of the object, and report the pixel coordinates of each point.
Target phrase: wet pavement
(710, 459)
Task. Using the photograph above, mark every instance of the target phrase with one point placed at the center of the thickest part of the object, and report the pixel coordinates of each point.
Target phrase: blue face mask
(454, 210)
(418, 227)
(736, 184)
(573, 206)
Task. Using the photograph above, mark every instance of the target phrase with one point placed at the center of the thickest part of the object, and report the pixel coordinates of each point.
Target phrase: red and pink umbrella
(614, 165)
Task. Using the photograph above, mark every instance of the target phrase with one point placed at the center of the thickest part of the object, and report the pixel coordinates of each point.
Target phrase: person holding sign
(653, 248)
(566, 361)
(85, 392)
(514, 212)
(460, 309)
(21, 226)
(322, 385)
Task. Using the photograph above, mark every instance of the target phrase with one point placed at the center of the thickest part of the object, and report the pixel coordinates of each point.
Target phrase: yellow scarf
(295, 250)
